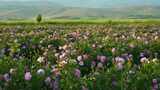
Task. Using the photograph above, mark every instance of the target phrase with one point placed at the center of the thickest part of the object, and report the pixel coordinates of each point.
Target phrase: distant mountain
(29, 9)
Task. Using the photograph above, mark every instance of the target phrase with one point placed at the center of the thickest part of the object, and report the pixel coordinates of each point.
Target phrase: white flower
(61, 57)
(64, 54)
(138, 38)
(155, 60)
(79, 58)
(60, 48)
(123, 36)
(41, 41)
(67, 51)
(40, 59)
(64, 62)
(56, 54)
(131, 72)
(156, 37)
(40, 72)
(64, 47)
(12, 71)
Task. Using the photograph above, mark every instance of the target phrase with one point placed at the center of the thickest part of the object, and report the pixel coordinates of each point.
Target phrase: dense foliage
(80, 57)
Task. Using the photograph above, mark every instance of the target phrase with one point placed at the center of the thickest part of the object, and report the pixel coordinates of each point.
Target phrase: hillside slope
(28, 10)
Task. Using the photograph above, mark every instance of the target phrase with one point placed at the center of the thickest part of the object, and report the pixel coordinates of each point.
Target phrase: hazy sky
(99, 3)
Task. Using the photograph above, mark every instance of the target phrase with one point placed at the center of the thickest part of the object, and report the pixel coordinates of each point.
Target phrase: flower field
(104, 56)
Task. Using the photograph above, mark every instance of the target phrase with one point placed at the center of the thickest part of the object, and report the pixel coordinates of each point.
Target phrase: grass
(83, 21)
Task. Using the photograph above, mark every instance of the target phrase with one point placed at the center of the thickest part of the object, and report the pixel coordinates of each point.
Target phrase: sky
(99, 3)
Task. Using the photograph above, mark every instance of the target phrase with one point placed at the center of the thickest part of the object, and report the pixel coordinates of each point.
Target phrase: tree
(39, 18)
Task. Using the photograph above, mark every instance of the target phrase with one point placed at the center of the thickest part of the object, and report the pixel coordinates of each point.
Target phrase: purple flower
(28, 76)
(142, 55)
(23, 46)
(125, 56)
(114, 82)
(7, 77)
(154, 84)
(77, 73)
(56, 83)
(154, 81)
(7, 51)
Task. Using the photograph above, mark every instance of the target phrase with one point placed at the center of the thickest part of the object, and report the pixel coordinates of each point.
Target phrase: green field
(97, 54)
(81, 21)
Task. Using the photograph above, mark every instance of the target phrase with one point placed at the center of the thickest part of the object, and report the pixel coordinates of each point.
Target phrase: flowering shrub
(80, 57)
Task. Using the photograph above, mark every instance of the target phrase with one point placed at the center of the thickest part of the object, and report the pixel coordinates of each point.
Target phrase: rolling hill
(29, 9)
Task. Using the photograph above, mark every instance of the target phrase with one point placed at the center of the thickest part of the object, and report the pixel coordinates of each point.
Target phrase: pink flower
(27, 76)
(144, 60)
(113, 50)
(77, 73)
(98, 57)
(119, 66)
(154, 81)
(93, 64)
(154, 84)
(103, 59)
